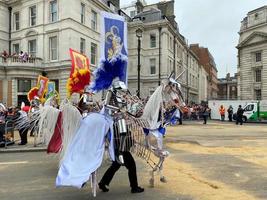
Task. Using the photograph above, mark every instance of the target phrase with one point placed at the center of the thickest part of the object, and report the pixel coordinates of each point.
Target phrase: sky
(214, 24)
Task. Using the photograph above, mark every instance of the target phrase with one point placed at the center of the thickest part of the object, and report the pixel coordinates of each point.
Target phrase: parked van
(253, 110)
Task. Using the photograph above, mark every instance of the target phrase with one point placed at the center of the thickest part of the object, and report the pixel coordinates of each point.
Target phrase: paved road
(31, 176)
(217, 161)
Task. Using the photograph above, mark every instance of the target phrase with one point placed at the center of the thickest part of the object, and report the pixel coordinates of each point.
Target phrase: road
(217, 161)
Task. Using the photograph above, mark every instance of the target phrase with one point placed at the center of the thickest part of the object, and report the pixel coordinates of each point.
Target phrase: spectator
(2, 125)
(239, 115)
(4, 55)
(22, 131)
(25, 57)
(205, 113)
(181, 116)
(21, 56)
(222, 112)
(230, 113)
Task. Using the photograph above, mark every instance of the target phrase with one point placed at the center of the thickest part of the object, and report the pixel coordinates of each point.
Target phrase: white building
(46, 30)
(203, 84)
(252, 56)
(163, 49)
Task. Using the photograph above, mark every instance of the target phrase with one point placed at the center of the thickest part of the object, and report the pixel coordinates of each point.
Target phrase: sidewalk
(22, 148)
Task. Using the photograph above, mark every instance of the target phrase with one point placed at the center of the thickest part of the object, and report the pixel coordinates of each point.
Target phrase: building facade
(203, 84)
(227, 88)
(252, 56)
(46, 30)
(207, 61)
(163, 50)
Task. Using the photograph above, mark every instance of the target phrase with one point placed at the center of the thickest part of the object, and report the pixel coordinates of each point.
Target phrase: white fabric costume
(85, 152)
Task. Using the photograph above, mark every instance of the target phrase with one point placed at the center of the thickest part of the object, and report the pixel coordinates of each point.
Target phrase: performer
(122, 143)
(115, 166)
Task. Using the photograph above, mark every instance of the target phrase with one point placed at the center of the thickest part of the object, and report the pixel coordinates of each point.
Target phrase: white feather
(70, 122)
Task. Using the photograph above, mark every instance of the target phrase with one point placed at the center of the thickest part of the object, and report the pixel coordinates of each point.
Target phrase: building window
(111, 6)
(32, 48)
(33, 16)
(82, 46)
(93, 53)
(24, 85)
(53, 11)
(53, 48)
(152, 66)
(258, 56)
(256, 15)
(151, 91)
(56, 81)
(258, 75)
(152, 41)
(16, 21)
(94, 20)
(132, 13)
(16, 48)
(258, 94)
(82, 13)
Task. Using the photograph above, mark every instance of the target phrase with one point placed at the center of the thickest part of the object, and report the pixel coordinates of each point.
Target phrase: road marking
(13, 163)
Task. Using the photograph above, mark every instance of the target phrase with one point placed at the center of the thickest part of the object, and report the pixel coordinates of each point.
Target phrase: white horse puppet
(160, 107)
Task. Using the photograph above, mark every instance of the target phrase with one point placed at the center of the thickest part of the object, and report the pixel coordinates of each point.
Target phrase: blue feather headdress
(109, 70)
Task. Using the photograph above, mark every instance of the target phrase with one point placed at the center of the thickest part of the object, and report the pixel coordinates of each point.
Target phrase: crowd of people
(230, 112)
(6, 115)
(11, 115)
(22, 56)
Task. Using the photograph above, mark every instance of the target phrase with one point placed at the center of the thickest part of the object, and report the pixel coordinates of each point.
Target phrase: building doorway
(23, 98)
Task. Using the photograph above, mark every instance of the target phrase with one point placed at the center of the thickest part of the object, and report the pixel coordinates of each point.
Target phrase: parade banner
(39, 90)
(80, 73)
(114, 37)
(78, 61)
(42, 85)
(51, 87)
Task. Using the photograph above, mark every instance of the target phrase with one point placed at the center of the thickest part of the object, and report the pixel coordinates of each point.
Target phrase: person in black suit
(128, 162)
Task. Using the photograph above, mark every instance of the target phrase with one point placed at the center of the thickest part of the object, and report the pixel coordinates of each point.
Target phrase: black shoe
(22, 143)
(137, 190)
(103, 187)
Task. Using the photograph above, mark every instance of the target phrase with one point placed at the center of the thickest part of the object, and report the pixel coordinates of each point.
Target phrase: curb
(20, 150)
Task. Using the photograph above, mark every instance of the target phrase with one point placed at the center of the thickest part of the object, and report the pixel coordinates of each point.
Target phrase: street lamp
(138, 35)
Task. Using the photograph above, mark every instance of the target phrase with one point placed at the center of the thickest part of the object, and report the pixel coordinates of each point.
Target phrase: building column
(228, 91)
(9, 93)
(1, 91)
(4, 92)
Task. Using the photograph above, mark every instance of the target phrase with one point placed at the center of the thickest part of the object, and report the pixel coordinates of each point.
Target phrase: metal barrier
(9, 129)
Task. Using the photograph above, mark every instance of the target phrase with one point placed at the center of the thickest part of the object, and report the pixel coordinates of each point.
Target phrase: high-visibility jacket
(222, 110)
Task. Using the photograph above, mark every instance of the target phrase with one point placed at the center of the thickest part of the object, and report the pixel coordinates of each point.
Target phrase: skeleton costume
(158, 112)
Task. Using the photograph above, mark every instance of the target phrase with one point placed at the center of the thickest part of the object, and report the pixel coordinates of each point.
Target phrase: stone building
(163, 49)
(252, 56)
(46, 30)
(227, 88)
(207, 61)
(203, 85)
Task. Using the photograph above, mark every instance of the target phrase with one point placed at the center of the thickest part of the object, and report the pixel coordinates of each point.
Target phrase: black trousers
(23, 135)
(2, 131)
(181, 118)
(230, 116)
(129, 164)
(239, 120)
(205, 119)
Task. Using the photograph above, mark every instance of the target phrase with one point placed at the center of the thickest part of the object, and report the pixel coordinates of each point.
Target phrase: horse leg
(93, 183)
(162, 178)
